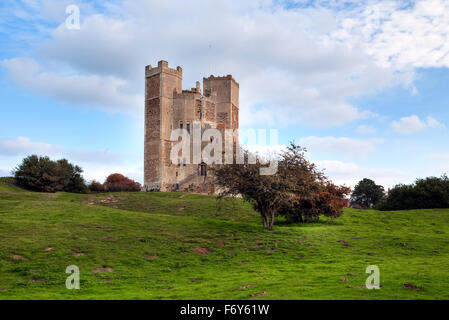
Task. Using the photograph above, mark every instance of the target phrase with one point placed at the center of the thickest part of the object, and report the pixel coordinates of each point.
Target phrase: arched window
(203, 169)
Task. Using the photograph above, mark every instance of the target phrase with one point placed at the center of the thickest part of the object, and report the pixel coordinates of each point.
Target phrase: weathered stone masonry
(168, 107)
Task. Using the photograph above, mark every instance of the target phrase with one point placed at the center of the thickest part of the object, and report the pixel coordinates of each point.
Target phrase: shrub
(44, 175)
(367, 194)
(119, 183)
(298, 190)
(96, 186)
(429, 193)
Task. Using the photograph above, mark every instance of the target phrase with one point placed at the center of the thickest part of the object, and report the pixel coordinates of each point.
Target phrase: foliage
(96, 187)
(428, 193)
(367, 194)
(117, 182)
(298, 190)
(44, 175)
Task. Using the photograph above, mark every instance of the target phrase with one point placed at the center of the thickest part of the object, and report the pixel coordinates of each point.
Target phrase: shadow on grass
(322, 222)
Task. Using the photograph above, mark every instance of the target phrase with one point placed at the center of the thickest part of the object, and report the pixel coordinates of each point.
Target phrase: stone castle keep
(168, 107)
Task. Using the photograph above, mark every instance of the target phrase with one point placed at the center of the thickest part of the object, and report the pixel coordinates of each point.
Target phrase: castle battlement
(162, 66)
(228, 77)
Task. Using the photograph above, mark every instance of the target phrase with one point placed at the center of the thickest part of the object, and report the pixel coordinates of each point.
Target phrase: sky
(363, 85)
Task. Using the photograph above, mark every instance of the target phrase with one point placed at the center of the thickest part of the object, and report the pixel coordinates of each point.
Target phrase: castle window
(179, 162)
(181, 126)
(184, 162)
(203, 169)
(188, 127)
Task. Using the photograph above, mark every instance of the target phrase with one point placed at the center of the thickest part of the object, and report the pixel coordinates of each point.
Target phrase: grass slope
(148, 240)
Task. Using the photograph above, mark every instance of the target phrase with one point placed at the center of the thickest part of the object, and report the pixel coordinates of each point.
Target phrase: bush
(429, 193)
(44, 175)
(367, 194)
(298, 190)
(119, 183)
(96, 187)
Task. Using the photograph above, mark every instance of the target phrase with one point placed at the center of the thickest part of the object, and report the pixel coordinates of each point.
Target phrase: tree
(96, 186)
(117, 182)
(428, 193)
(44, 175)
(297, 190)
(367, 194)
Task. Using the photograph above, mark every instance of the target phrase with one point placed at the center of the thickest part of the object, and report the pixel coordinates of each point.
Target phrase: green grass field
(153, 245)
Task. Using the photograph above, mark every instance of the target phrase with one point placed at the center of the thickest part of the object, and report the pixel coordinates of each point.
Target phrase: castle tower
(160, 85)
(168, 107)
(225, 92)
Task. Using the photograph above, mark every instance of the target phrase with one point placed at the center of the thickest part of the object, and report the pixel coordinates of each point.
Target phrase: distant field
(178, 246)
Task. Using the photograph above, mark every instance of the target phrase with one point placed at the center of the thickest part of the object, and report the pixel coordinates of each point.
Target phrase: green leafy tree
(367, 194)
(428, 193)
(44, 175)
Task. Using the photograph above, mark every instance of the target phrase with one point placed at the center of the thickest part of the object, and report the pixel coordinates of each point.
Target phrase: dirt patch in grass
(259, 294)
(247, 286)
(411, 286)
(203, 251)
(102, 270)
(104, 227)
(37, 281)
(16, 256)
(344, 243)
(78, 254)
(220, 243)
(49, 249)
(197, 280)
(152, 256)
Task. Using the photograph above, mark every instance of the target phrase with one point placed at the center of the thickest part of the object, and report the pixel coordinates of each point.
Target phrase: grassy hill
(178, 246)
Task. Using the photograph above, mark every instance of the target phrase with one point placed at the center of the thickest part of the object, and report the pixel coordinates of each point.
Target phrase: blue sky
(362, 84)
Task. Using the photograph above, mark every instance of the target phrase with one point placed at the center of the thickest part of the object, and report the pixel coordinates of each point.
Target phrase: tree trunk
(264, 219)
(272, 219)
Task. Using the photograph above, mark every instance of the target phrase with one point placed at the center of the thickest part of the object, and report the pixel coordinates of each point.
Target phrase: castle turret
(160, 85)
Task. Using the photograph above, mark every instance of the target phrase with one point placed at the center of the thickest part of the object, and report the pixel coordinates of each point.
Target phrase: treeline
(428, 193)
(45, 175)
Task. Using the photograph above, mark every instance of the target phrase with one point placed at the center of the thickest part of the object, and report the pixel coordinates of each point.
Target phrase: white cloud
(433, 123)
(412, 124)
(24, 146)
(408, 125)
(400, 34)
(292, 65)
(346, 146)
(105, 92)
(350, 173)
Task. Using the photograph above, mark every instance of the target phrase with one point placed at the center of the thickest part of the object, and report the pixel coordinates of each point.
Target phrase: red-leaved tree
(117, 182)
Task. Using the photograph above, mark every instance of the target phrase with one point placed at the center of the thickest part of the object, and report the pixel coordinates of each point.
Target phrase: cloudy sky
(364, 85)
